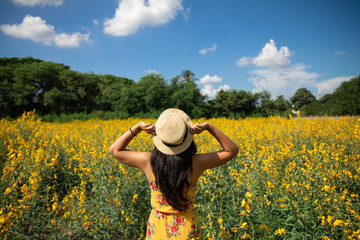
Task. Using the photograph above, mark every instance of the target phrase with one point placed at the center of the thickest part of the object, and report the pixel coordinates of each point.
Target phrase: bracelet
(132, 133)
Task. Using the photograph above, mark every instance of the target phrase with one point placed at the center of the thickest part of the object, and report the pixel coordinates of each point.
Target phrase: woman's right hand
(198, 128)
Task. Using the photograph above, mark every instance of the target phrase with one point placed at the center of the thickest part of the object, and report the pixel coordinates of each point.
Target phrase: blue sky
(252, 45)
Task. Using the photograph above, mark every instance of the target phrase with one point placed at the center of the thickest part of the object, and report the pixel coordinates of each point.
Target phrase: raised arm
(214, 159)
(132, 158)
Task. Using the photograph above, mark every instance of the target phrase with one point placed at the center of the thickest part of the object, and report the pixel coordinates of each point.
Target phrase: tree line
(53, 90)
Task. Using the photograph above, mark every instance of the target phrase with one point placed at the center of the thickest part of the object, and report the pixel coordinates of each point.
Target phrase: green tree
(45, 76)
(5, 90)
(223, 103)
(301, 98)
(345, 100)
(89, 91)
(186, 96)
(73, 92)
(14, 61)
(63, 97)
(117, 94)
(232, 104)
(281, 105)
(24, 90)
(24, 82)
(245, 102)
(59, 101)
(265, 106)
(314, 108)
(151, 93)
(187, 76)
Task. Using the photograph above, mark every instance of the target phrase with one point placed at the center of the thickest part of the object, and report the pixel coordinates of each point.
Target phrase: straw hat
(173, 134)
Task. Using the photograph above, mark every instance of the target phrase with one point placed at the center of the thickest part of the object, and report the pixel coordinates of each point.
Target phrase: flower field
(292, 179)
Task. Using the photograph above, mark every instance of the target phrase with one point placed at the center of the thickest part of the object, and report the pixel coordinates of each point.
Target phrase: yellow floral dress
(166, 222)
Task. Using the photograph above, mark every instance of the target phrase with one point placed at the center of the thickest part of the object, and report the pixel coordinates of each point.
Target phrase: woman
(172, 170)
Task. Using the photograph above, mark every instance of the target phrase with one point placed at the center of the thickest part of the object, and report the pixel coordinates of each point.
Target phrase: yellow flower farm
(293, 178)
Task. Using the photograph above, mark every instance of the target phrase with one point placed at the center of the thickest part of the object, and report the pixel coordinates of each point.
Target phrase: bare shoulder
(141, 160)
(147, 169)
(133, 158)
(204, 161)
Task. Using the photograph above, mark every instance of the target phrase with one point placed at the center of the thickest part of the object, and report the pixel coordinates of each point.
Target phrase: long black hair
(171, 174)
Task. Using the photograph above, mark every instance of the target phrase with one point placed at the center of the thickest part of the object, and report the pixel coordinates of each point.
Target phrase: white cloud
(209, 49)
(73, 40)
(244, 61)
(207, 79)
(274, 72)
(133, 14)
(269, 56)
(328, 86)
(96, 22)
(186, 13)
(36, 29)
(152, 71)
(39, 2)
(209, 89)
(339, 53)
(211, 92)
(33, 28)
(282, 81)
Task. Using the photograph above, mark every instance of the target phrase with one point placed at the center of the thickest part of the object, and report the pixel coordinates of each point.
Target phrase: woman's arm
(132, 158)
(214, 159)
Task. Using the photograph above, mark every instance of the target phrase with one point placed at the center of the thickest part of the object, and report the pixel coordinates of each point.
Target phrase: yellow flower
(329, 219)
(264, 227)
(2, 219)
(54, 206)
(243, 202)
(248, 195)
(244, 213)
(220, 220)
(7, 191)
(338, 223)
(247, 207)
(280, 231)
(244, 225)
(273, 153)
(326, 188)
(325, 238)
(246, 236)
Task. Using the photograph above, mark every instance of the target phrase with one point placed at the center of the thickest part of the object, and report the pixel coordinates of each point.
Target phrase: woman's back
(173, 173)
(166, 222)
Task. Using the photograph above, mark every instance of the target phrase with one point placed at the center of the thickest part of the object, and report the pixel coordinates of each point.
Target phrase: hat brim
(186, 143)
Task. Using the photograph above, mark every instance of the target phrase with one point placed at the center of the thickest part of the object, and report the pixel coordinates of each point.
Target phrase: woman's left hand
(147, 127)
